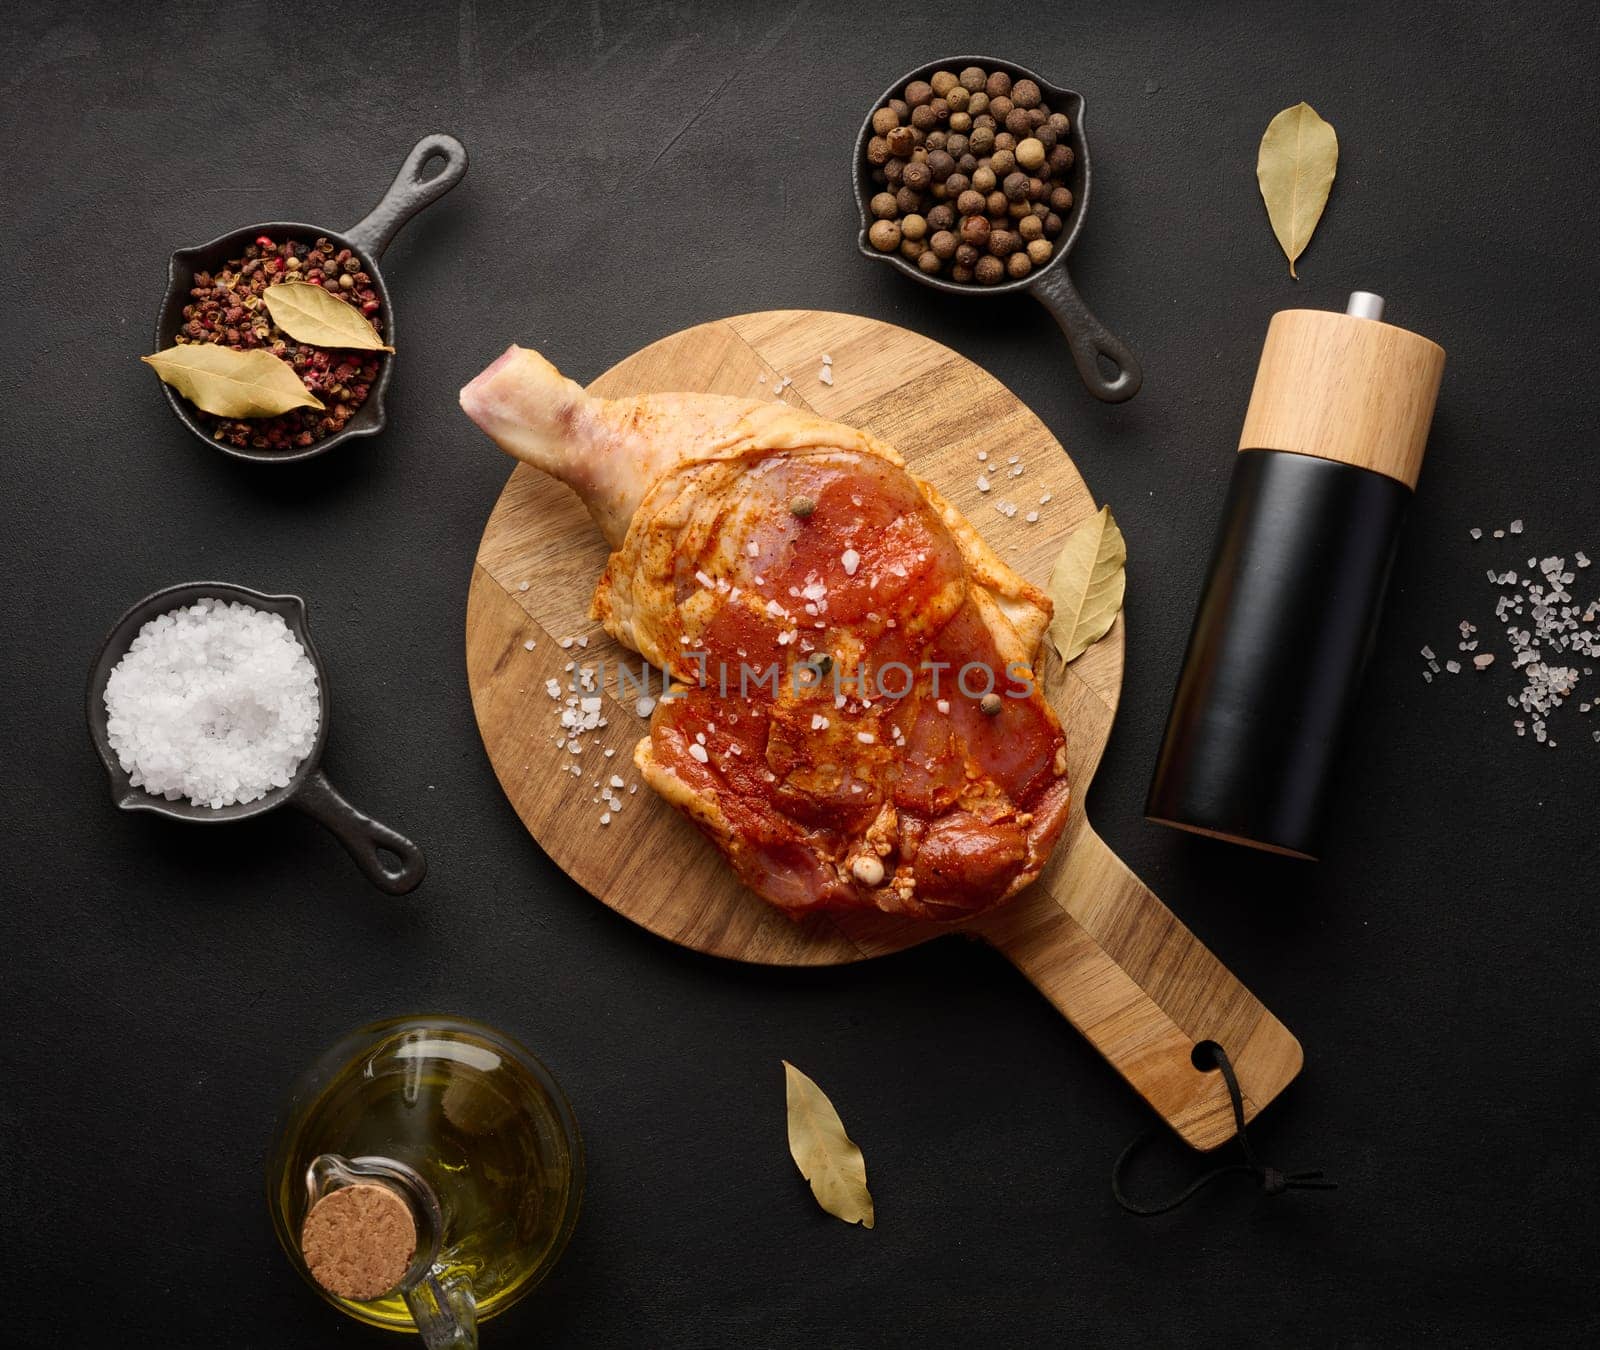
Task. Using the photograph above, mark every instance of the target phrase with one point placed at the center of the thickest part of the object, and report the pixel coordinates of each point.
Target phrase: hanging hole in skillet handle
(390, 861)
(1107, 364)
(412, 189)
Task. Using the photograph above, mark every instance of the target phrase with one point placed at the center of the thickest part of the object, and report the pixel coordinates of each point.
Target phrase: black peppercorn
(917, 175)
(942, 217)
(941, 164)
(1015, 186)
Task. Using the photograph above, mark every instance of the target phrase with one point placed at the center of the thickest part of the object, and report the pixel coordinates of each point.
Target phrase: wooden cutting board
(1093, 939)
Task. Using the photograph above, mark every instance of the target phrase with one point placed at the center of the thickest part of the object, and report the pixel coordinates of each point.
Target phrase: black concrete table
(635, 170)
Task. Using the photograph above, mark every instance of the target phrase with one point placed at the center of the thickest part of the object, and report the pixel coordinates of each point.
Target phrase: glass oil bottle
(427, 1173)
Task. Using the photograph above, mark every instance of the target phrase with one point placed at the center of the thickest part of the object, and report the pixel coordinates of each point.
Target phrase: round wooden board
(1088, 934)
(934, 406)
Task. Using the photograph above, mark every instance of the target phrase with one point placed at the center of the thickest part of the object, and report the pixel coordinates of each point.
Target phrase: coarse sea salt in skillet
(216, 702)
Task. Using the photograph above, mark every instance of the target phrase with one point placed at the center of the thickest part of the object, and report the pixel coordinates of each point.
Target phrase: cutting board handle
(1099, 944)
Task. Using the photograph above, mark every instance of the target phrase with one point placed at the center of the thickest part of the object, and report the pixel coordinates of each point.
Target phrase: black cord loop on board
(1273, 1182)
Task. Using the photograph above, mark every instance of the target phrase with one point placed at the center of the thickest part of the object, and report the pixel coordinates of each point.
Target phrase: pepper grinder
(1328, 460)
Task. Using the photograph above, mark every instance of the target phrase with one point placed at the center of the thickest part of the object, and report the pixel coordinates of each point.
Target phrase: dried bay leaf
(824, 1153)
(1087, 585)
(1295, 167)
(311, 314)
(227, 383)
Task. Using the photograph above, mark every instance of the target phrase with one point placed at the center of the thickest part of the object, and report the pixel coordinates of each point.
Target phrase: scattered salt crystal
(826, 359)
(866, 738)
(826, 375)
(645, 706)
(605, 817)
(565, 643)
(698, 752)
(850, 560)
(522, 586)
(528, 646)
(1484, 660)
(1454, 667)
(1032, 517)
(1427, 653)
(1499, 534)
(983, 483)
(1043, 498)
(1516, 527)
(982, 456)
(1475, 532)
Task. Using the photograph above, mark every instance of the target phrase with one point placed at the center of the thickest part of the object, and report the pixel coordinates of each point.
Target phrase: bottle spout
(374, 1229)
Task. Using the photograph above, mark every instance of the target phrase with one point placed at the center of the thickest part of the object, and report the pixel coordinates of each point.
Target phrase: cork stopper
(358, 1241)
(1345, 387)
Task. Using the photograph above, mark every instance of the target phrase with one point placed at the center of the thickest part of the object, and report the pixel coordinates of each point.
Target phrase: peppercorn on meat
(856, 720)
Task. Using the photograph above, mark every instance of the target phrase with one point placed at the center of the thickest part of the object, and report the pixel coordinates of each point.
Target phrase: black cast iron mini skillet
(407, 195)
(309, 789)
(1093, 344)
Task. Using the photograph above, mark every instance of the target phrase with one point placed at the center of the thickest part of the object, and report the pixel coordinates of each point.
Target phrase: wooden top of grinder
(1345, 387)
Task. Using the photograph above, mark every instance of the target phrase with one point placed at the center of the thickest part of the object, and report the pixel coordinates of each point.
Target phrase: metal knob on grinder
(1329, 456)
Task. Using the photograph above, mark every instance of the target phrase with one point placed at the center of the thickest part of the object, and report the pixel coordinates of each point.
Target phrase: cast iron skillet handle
(363, 836)
(409, 193)
(1089, 339)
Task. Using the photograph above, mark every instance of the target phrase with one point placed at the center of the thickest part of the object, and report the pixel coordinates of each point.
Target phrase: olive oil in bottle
(426, 1175)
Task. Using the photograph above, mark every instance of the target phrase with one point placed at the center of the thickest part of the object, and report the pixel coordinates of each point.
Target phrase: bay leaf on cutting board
(227, 383)
(1295, 166)
(824, 1153)
(1087, 585)
(311, 314)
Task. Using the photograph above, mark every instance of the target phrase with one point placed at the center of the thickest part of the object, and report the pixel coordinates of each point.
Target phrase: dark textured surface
(634, 171)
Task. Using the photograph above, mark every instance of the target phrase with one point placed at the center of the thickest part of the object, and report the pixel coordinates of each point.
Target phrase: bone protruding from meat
(608, 451)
